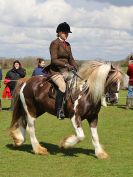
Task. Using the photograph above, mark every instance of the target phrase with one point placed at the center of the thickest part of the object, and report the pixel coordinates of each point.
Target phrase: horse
(36, 96)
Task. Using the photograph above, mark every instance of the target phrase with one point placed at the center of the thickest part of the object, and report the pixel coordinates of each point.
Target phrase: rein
(75, 73)
(73, 80)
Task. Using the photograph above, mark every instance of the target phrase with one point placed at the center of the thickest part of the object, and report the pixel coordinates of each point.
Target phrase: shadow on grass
(124, 107)
(24, 148)
(6, 109)
(54, 149)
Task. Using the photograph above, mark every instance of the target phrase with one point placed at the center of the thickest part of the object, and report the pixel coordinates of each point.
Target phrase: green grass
(115, 129)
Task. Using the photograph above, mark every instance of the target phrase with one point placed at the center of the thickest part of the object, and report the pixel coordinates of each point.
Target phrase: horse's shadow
(124, 107)
(54, 149)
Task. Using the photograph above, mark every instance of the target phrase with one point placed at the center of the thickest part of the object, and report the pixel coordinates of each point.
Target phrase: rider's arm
(71, 60)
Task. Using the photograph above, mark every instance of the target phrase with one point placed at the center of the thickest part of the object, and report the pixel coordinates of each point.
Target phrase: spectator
(12, 76)
(130, 84)
(0, 86)
(40, 70)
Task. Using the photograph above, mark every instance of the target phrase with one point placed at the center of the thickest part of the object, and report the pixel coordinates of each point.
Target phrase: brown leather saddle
(53, 90)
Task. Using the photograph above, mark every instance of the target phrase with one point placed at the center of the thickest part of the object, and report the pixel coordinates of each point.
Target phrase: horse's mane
(96, 72)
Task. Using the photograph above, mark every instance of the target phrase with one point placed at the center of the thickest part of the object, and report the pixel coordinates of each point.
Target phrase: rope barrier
(2, 83)
(13, 80)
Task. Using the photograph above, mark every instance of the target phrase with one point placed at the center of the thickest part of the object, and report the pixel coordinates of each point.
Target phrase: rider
(62, 62)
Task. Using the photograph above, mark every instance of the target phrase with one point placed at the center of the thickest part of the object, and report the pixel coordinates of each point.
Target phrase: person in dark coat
(129, 101)
(40, 69)
(62, 62)
(0, 74)
(13, 75)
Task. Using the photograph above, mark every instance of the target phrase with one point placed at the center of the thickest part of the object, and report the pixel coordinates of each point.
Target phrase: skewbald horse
(33, 99)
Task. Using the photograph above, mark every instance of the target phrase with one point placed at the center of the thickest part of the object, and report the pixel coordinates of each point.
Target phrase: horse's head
(113, 84)
(102, 78)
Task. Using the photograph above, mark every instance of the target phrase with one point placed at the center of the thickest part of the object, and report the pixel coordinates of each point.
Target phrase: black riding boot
(59, 105)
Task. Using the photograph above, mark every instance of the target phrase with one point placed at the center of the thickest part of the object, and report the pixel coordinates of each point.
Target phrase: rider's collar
(61, 39)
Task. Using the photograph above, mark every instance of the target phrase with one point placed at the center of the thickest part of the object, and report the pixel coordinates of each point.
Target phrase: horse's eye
(114, 84)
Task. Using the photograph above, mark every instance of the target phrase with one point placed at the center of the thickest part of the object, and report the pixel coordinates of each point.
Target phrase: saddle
(72, 92)
(69, 90)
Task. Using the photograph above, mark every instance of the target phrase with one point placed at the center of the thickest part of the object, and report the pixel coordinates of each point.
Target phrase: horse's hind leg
(37, 148)
(18, 131)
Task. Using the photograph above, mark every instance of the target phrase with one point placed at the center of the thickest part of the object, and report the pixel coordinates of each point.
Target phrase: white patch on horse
(118, 88)
(103, 101)
(69, 142)
(76, 102)
(30, 120)
(95, 141)
(79, 130)
(22, 131)
(72, 140)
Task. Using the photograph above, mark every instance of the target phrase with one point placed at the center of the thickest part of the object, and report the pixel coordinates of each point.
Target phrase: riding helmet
(63, 27)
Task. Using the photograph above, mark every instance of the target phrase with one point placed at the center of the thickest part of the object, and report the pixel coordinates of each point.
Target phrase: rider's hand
(70, 67)
(76, 68)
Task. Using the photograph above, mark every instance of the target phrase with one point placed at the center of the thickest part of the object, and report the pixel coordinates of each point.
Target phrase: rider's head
(63, 27)
(62, 30)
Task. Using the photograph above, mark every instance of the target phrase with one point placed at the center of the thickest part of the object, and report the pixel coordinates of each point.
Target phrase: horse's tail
(18, 112)
(19, 122)
(18, 109)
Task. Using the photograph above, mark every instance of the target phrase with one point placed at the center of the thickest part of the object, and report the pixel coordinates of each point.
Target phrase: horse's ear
(112, 67)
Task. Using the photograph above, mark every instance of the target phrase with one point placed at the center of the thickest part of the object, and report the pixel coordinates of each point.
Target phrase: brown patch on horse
(19, 84)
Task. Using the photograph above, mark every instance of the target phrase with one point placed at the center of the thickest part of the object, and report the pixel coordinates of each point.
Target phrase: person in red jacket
(0, 86)
(130, 83)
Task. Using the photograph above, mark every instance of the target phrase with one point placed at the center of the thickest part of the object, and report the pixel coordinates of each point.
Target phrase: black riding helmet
(63, 27)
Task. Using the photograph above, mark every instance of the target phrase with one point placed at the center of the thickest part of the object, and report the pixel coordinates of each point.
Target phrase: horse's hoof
(67, 142)
(17, 145)
(17, 142)
(102, 155)
(41, 151)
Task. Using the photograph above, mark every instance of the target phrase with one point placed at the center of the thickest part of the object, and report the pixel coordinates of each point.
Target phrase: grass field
(116, 134)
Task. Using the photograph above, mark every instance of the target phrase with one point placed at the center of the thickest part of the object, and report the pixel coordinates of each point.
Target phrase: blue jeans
(130, 91)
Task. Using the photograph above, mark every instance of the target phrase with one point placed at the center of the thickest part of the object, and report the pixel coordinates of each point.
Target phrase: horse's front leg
(99, 151)
(70, 141)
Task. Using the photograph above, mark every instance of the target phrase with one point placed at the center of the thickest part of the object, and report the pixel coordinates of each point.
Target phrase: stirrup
(60, 114)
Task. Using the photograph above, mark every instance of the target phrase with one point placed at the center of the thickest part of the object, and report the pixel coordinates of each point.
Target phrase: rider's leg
(59, 81)
(59, 105)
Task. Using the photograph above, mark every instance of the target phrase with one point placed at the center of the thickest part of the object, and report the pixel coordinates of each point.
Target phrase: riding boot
(59, 105)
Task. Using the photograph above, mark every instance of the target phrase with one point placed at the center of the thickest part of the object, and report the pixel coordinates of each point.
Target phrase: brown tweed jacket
(60, 56)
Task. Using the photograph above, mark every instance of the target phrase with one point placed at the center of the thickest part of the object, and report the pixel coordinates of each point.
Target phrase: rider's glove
(70, 67)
